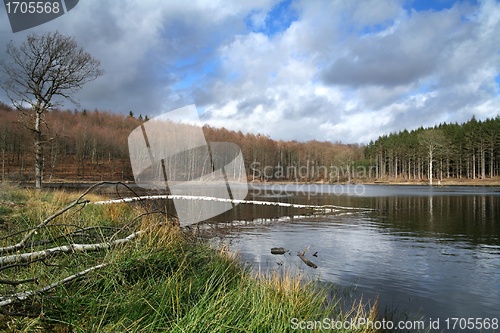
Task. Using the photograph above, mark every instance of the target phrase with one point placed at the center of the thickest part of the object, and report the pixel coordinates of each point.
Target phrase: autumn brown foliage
(85, 146)
(92, 146)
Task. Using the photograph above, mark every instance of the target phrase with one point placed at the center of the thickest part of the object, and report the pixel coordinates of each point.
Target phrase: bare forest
(77, 146)
(92, 146)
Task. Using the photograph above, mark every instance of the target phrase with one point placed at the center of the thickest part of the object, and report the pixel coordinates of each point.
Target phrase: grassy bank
(164, 280)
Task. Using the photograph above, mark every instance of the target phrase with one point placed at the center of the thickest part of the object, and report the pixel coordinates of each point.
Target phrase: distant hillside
(78, 146)
(92, 146)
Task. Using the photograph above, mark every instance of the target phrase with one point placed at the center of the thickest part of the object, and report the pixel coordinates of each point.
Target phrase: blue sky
(294, 70)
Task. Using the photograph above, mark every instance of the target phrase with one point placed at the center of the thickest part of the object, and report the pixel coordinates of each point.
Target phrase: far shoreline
(72, 183)
(495, 181)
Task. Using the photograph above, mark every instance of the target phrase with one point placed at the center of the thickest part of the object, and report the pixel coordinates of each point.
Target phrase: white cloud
(347, 71)
(384, 72)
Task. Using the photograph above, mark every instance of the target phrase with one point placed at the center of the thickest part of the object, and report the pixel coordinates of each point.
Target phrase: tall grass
(166, 281)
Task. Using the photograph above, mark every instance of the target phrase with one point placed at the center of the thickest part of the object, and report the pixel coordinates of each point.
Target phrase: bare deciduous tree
(42, 72)
(431, 140)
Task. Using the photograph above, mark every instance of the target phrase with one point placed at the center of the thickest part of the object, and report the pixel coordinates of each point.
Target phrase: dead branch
(29, 234)
(306, 261)
(71, 248)
(22, 296)
(16, 283)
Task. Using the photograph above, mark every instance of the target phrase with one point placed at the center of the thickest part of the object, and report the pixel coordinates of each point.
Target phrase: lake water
(425, 252)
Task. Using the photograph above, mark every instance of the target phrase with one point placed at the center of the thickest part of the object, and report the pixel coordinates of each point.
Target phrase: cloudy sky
(344, 71)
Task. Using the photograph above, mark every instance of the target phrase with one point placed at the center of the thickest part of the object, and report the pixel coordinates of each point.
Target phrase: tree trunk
(430, 165)
(483, 162)
(447, 167)
(38, 150)
(83, 167)
(440, 169)
(3, 164)
(492, 162)
(53, 161)
(473, 165)
(396, 167)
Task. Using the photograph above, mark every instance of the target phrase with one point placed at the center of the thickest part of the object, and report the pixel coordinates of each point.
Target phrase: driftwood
(306, 261)
(278, 250)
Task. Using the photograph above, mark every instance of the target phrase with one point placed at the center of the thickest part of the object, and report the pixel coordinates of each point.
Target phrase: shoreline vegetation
(164, 279)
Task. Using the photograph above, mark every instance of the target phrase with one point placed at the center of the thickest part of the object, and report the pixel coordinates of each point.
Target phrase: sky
(340, 71)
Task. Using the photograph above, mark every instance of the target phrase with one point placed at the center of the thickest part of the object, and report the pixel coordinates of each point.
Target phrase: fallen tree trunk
(325, 208)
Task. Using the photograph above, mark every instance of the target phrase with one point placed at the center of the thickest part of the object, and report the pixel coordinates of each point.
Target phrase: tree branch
(71, 248)
(78, 201)
(22, 296)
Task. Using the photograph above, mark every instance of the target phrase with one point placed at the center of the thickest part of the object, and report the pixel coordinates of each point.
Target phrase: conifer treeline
(469, 150)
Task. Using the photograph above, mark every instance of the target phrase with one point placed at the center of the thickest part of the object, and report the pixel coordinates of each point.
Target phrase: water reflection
(425, 252)
(471, 218)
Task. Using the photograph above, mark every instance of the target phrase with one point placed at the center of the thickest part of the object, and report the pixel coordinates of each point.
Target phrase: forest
(77, 146)
(470, 150)
(92, 146)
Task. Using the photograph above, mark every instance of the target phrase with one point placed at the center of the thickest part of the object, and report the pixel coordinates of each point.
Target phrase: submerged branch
(325, 208)
(306, 261)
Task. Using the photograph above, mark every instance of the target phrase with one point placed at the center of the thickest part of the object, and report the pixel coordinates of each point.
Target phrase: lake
(425, 252)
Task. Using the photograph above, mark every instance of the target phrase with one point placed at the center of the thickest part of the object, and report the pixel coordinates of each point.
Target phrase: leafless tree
(45, 70)
(431, 141)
